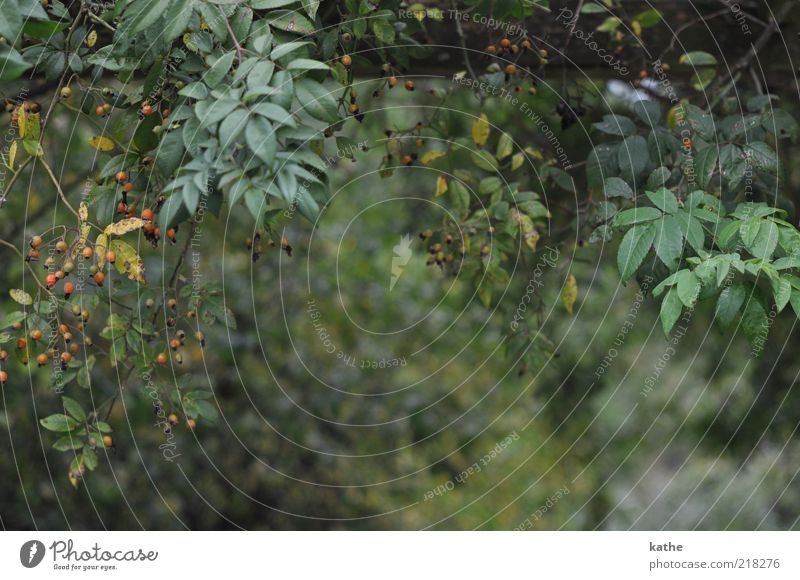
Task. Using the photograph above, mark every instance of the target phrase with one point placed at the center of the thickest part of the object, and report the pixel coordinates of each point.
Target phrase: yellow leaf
(100, 248)
(432, 156)
(91, 39)
(441, 185)
(531, 239)
(101, 143)
(128, 261)
(22, 121)
(480, 130)
(569, 293)
(637, 28)
(505, 146)
(20, 297)
(517, 160)
(124, 226)
(12, 154)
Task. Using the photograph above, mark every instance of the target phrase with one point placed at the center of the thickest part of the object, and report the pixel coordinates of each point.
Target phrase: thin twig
(460, 32)
(239, 49)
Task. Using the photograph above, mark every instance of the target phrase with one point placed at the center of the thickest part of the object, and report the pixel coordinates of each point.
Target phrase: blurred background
(348, 403)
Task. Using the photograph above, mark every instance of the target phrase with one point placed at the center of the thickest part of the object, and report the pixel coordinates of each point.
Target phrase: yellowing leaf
(12, 154)
(432, 156)
(128, 261)
(22, 121)
(20, 297)
(91, 39)
(124, 226)
(441, 185)
(100, 248)
(101, 143)
(480, 130)
(569, 293)
(517, 160)
(505, 146)
(637, 30)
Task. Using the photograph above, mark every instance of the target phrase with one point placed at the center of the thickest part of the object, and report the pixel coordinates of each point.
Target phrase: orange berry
(42, 359)
(392, 81)
(122, 207)
(174, 344)
(3, 376)
(353, 108)
(171, 233)
(88, 252)
(161, 358)
(99, 278)
(100, 111)
(346, 60)
(36, 334)
(147, 110)
(191, 424)
(491, 49)
(505, 43)
(111, 256)
(69, 288)
(128, 187)
(121, 176)
(21, 343)
(511, 69)
(66, 357)
(409, 85)
(147, 214)
(108, 441)
(36, 241)
(50, 280)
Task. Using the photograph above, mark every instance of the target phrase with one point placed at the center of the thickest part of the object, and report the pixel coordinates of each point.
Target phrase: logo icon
(31, 553)
(402, 255)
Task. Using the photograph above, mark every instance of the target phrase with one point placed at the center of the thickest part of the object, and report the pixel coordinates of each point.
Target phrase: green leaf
(316, 100)
(705, 162)
(671, 309)
(12, 65)
(290, 21)
(43, 28)
(636, 215)
(618, 125)
(697, 58)
(668, 242)
(177, 19)
(616, 187)
(783, 293)
(59, 423)
(658, 177)
(692, 230)
(664, 200)
(219, 69)
(688, 288)
(305, 64)
(633, 249)
(755, 325)
(74, 409)
(484, 160)
(67, 443)
(765, 241)
(728, 305)
(633, 156)
(384, 31)
(261, 139)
